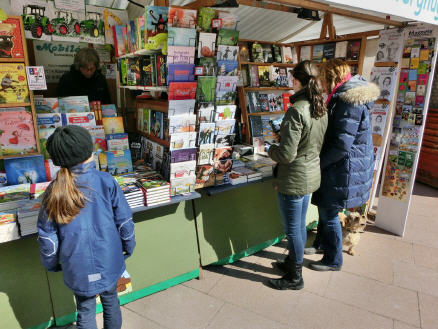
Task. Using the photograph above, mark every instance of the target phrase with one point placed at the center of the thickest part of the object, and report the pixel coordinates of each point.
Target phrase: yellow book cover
(113, 125)
(414, 63)
(13, 83)
(424, 54)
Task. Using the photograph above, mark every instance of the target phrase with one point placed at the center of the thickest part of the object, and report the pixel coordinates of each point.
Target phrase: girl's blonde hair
(333, 72)
(63, 200)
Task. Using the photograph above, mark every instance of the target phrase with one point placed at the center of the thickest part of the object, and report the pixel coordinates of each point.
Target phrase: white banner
(419, 10)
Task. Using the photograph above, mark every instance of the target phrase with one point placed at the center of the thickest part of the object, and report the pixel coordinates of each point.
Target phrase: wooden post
(163, 3)
(324, 26)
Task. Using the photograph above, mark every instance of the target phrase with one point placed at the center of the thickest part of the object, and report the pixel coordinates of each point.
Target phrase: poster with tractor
(66, 25)
(11, 45)
(92, 26)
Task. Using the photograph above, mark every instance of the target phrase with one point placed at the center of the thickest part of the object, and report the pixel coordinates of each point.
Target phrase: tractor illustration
(35, 21)
(93, 24)
(65, 23)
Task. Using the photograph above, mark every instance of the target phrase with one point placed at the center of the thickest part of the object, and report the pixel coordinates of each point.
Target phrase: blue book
(116, 136)
(227, 67)
(109, 110)
(119, 162)
(181, 72)
(157, 124)
(25, 170)
(179, 36)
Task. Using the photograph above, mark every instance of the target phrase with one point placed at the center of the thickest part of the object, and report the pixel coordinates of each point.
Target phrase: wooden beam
(331, 27)
(323, 33)
(200, 3)
(163, 3)
(352, 36)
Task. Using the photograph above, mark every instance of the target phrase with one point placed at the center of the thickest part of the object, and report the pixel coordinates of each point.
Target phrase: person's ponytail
(63, 200)
(316, 99)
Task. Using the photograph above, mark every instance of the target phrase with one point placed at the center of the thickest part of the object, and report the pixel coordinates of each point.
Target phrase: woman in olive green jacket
(298, 172)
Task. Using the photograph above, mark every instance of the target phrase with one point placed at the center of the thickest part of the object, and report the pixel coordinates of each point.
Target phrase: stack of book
(27, 216)
(8, 227)
(251, 175)
(155, 191)
(133, 195)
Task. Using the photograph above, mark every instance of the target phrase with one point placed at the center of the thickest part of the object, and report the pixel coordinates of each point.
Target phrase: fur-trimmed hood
(358, 91)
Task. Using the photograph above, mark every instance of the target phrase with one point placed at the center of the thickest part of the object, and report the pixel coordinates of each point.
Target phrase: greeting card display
(389, 46)
(385, 78)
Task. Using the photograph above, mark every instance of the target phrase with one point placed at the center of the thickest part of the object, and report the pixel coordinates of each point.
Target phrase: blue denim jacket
(92, 248)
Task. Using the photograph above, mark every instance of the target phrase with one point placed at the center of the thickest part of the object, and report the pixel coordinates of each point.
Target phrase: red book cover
(161, 70)
(286, 101)
(182, 90)
(11, 42)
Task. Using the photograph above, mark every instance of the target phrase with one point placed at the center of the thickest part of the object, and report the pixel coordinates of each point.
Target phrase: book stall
(194, 103)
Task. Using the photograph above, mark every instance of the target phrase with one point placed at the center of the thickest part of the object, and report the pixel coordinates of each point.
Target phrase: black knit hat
(69, 145)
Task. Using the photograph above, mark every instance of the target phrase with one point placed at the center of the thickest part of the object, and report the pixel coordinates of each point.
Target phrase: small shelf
(382, 101)
(385, 64)
(266, 88)
(157, 105)
(18, 155)
(266, 113)
(140, 52)
(154, 138)
(12, 60)
(146, 88)
(269, 64)
(15, 104)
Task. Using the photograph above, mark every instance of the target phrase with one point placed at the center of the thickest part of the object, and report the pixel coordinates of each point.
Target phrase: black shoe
(320, 266)
(284, 265)
(292, 280)
(312, 251)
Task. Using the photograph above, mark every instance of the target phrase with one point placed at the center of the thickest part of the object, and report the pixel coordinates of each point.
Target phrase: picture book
(206, 154)
(46, 105)
(180, 55)
(182, 123)
(182, 169)
(182, 17)
(182, 141)
(48, 120)
(146, 71)
(305, 52)
(206, 133)
(256, 52)
(228, 37)
(209, 64)
(182, 90)
(17, 135)
(181, 72)
(205, 92)
(225, 127)
(183, 155)
(156, 124)
(353, 50)
(13, 83)
(140, 32)
(25, 170)
(263, 72)
(317, 53)
(204, 176)
(182, 185)
(263, 102)
(206, 44)
(227, 53)
(185, 106)
(286, 55)
(119, 162)
(389, 45)
(206, 113)
(205, 16)
(74, 104)
(117, 142)
(108, 110)
(227, 67)
(83, 119)
(228, 20)
(256, 126)
(385, 78)
(161, 73)
(224, 140)
(156, 22)
(225, 112)
(43, 135)
(225, 97)
(178, 36)
(119, 43)
(11, 39)
(98, 135)
(275, 102)
(267, 133)
(328, 51)
(341, 49)
(15, 192)
(226, 83)
(145, 125)
(113, 125)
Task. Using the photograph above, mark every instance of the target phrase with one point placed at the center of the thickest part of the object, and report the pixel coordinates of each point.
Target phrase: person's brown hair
(333, 72)
(306, 73)
(63, 200)
(86, 56)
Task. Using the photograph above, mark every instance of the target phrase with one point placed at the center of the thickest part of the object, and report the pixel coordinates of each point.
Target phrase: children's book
(13, 85)
(182, 123)
(205, 16)
(84, 119)
(185, 106)
(204, 176)
(17, 135)
(113, 125)
(46, 105)
(206, 154)
(205, 92)
(227, 53)
(98, 135)
(225, 112)
(182, 169)
(341, 49)
(181, 72)
(183, 155)
(49, 120)
(15, 192)
(182, 17)
(25, 170)
(44, 134)
(11, 39)
(108, 110)
(180, 55)
(178, 36)
(74, 104)
(209, 64)
(182, 90)
(227, 37)
(117, 142)
(206, 133)
(119, 162)
(228, 20)
(206, 44)
(182, 141)
(227, 67)
(156, 27)
(119, 44)
(206, 113)
(353, 50)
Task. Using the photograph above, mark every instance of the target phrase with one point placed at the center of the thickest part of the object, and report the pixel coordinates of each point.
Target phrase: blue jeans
(86, 306)
(293, 209)
(330, 236)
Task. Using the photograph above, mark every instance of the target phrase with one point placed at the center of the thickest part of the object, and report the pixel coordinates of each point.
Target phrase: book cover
(328, 51)
(146, 119)
(43, 135)
(205, 16)
(178, 36)
(263, 73)
(378, 118)
(180, 55)
(276, 53)
(161, 70)
(275, 102)
(183, 155)
(228, 37)
(209, 64)
(119, 162)
(206, 133)
(227, 53)
(254, 76)
(140, 31)
(256, 52)
(48, 120)
(13, 84)
(182, 169)
(156, 124)
(182, 17)
(74, 104)
(341, 49)
(11, 39)
(17, 135)
(158, 154)
(353, 50)
(84, 119)
(229, 21)
(25, 170)
(146, 71)
(181, 72)
(46, 105)
(286, 54)
(227, 68)
(98, 135)
(108, 111)
(182, 141)
(256, 126)
(223, 140)
(305, 52)
(385, 78)
(225, 127)
(177, 107)
(113, 125)
(205, 92)
(252, 102)
(133, 71)
(389, 46)
(206, 113)
(133, 36)
(263, 102)
(224, 97)
(206, 44)
(204, 176)
(225, 112)
(14, 193)
(117, 142)
(156, 26)
(119, 44)
(267, 133)
(226, 83)
(267, 53)
(206, 154)
(317, 53)
(182, 123)
(182, 185)
(182, 90)
(221, 171)
(96, 108)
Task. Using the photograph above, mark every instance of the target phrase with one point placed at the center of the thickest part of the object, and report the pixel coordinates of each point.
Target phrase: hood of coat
(78, 75)
(358, 91)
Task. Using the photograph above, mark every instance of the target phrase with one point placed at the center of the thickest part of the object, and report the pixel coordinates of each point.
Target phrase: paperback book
(353, 50)
(119, 162)
(11, 38)
(46, 105)
(25, 170)
(13, 84)
(156, 124)
(156, 27)
(341, 49)
(74, 104)
(98, 135)
(84, 119)
(113, 125)
(49, 120)
(256, 52)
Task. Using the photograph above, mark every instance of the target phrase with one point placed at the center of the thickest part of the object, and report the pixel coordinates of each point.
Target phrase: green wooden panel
(24, 291)
(166, 248)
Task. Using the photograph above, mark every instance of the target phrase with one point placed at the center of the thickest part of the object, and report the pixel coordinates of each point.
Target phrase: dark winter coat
(301, 138)
(347, 154)
(73, 83)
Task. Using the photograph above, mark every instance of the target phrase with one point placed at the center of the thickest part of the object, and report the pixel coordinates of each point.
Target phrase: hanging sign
(36, 79)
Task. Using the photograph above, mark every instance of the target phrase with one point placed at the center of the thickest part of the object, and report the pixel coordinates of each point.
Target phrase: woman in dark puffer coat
(346, 157)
